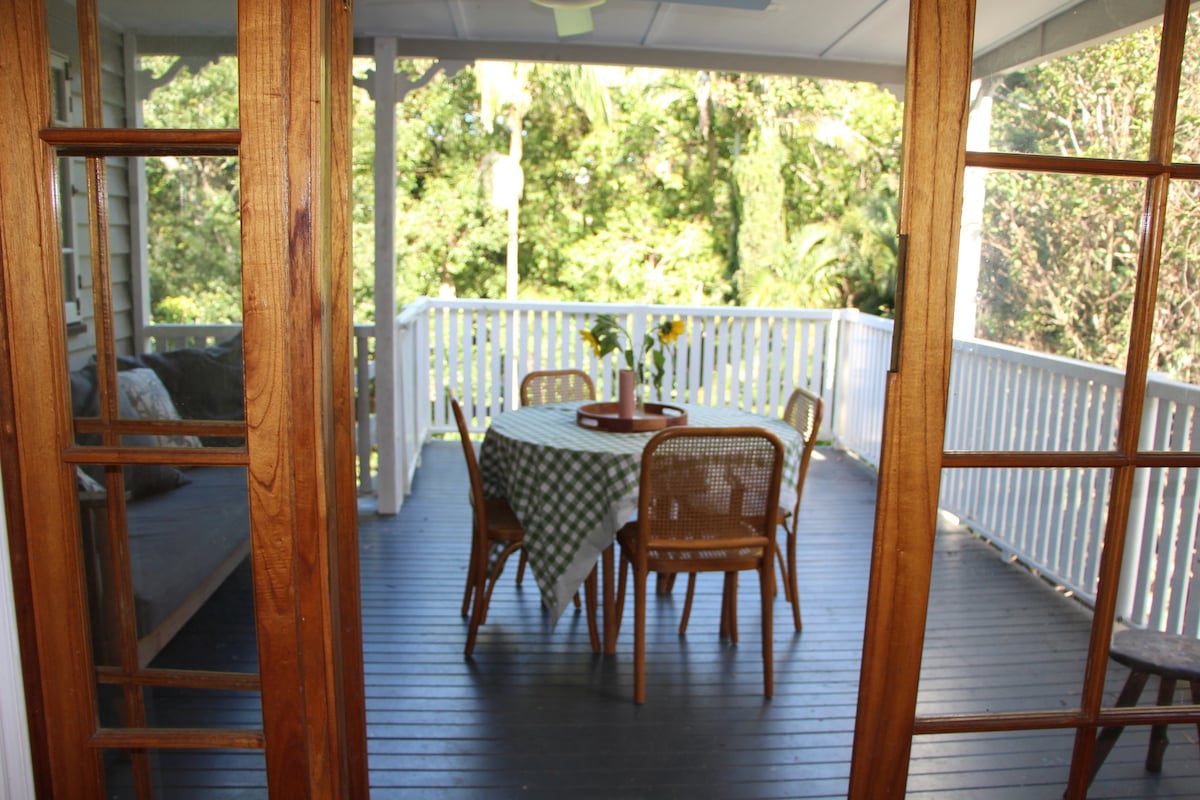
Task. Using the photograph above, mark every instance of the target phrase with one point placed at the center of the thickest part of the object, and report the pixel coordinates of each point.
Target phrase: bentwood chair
(708, 502)
(802, 412)
(543, 386)
(495, 528)
(494, 524)
(556, 386)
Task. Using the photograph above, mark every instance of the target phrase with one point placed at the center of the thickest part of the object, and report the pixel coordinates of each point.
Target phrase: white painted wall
(16, 766)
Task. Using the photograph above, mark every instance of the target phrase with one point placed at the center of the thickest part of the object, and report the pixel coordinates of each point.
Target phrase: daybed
(188, 529)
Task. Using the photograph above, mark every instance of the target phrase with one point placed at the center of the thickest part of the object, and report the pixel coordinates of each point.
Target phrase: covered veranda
(543, 694)
(536, 714)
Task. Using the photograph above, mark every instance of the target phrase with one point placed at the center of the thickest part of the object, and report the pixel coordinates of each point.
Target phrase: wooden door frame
(294, 75)
(934, 158)
(936, 102)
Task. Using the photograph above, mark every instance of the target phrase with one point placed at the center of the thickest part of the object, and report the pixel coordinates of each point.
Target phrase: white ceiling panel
(852, 39)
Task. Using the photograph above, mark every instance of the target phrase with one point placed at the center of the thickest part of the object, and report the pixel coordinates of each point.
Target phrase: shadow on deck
(537, 715)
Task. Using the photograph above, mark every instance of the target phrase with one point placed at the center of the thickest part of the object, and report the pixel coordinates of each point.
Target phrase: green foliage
(637, 200)
(193, 213)
(1060, 253)
(639, 186)
(700, 188)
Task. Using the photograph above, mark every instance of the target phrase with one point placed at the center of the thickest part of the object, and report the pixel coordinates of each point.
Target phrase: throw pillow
(149, 400)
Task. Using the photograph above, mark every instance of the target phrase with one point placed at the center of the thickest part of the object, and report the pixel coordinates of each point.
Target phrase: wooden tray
(603, 417)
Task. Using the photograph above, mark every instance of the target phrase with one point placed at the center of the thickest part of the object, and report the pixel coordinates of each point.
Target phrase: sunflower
(670, 330)
(590, 338)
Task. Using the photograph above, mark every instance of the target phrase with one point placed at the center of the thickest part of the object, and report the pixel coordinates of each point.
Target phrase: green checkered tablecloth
(573, 488)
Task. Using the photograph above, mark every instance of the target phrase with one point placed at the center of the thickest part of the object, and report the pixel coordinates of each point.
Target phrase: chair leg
(619, 604)
(1108, 737)
(521, 567)
(687, 603)
(793, 587)
(466, 604)
(766, 575)
(1158, 733)
(783, 576)
(589, 592)
(664, 583)
(639, 635)
(729, 607)
(479, 611)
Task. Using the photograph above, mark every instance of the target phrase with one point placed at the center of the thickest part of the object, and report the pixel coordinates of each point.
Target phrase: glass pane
(1047, 274)
(1160, 589)
(161, 64)
(186, 276)
(179, 91)
(64, 63)
(1026, 764)
(1176, 345)
(1187, 122)
(1018, 550)
(189, 774)
(185, 581)
(1089, 101)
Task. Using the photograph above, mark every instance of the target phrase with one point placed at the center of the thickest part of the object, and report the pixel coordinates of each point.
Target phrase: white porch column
(387, 407)
(970, 243)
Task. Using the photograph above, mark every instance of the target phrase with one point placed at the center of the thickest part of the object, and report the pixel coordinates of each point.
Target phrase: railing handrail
(578, 307)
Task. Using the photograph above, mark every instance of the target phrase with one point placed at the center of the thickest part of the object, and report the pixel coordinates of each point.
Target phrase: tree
(193, 213)
(1060, 253)
(504, 86)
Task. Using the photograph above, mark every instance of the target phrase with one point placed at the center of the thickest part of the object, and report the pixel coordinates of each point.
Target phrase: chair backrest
(477, 499)
(556, 386)
(709, 487)
(803, 412)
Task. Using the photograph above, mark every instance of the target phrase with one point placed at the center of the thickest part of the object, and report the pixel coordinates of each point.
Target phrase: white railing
(164, 337)
(1004, 398)
(1000, 398)
(752, 358)
(864, 353)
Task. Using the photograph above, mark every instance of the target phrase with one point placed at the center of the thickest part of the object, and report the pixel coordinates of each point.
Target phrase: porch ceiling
(850, 39)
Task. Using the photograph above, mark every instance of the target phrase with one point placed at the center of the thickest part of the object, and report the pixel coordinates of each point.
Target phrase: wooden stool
(1172, 658)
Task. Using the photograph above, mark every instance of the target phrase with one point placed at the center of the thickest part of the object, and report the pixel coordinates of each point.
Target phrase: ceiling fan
(574, 17)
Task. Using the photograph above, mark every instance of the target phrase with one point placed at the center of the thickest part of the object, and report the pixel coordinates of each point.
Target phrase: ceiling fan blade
(573, 21)
(748, 5)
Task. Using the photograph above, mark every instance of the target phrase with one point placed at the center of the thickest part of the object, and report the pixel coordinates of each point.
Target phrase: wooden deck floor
(536, 715)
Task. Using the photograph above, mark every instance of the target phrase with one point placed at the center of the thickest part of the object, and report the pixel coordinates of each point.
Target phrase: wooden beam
(936, 109)
(37, 423)
(344, 551)
(286, 110)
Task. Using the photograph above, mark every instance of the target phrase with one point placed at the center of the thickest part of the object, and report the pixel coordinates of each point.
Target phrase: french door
(96, 472)
(1105, 450)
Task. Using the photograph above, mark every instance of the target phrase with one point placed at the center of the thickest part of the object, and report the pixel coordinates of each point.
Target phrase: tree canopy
(701, 188)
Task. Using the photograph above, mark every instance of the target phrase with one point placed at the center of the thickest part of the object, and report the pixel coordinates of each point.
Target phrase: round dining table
(573, 488)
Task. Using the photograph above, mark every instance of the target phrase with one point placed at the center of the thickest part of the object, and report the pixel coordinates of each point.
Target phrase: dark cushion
(204, 383)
